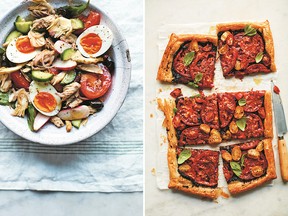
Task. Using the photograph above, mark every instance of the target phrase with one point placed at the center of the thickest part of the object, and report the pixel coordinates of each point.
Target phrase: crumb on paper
(257, 81)
(152, 101)
(212, 30)
(164, 138)
(151, 115)
(160, 90)
(153, 171)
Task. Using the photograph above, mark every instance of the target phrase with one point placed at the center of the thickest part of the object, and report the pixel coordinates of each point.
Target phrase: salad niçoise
(54, 65)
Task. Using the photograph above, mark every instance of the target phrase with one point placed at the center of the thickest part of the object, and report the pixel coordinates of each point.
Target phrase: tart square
(197, 175)
(189, 59)
(245, 48)
(248, 165)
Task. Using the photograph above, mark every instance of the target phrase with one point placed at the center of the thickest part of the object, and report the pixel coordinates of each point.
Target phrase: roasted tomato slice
(95, 85)
(228, 61)
(254, 100)
(19, 80)
(227, 106)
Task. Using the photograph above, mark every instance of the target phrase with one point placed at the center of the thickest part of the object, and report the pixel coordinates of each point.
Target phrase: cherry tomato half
(95, 85)
(92, 19)
(19, 80)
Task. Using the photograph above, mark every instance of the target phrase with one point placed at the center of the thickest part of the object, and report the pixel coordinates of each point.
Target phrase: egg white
(16, 56)
(37, 87)
(104, 33)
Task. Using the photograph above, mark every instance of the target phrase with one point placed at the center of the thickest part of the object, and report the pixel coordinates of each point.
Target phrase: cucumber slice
(2, 51)
(77, 24)
(19, 19)
(69, 77)
(23, 27)
(76, 123)
(41, 76)
(67, 54)
(12, 36)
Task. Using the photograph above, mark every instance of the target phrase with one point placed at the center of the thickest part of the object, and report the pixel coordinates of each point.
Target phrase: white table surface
(24, 203)
(268, 200)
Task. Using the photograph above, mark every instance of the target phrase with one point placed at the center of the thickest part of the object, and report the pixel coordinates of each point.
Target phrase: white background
(268, 200)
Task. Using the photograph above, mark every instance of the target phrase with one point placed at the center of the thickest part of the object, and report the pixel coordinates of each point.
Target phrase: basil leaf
(198, 77)
(249, 31)
(194, 96)
(259, 57)
(242, 102)
(184, 155)
(236, 168)
(175, 110)
(241, 123)
(188, 58)
(72, 11)
(242, 160)
(192, 84)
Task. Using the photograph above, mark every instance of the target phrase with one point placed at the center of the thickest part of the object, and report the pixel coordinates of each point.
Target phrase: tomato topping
(91, 43)
(92, 19)
(45, 101)
(95, 85)
(53, 71)
(276, 89)
(19, 80)
(23, 45)
(176, 93)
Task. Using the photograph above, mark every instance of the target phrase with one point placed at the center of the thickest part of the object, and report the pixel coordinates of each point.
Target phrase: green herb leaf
(31, 113)
(4, 99)
(184, 155)
(259, 57)
(242, 160)
(72, 11)
(241, 123)
(192, 84)
(188, 58)
(242, 102)
(175, 110)
(198, 77)
(249, 31)
(236, 168)
(194, 96)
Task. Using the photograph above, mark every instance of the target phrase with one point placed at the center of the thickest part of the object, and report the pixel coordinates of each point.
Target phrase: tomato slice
(95, 85)
(19, 80)
(92, 19)
(53, 71)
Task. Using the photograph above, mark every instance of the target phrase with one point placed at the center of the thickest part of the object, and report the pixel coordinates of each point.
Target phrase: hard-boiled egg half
(44, 98)
(95, 41)
(20, 50)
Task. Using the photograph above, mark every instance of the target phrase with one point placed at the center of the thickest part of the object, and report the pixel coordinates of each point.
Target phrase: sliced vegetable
(92, 19)
(76, 123)
(77, 24)
(67, 54)
(2, 51)
(12, 36)
(23, 27)
(95, 85)
(69, 77)
(19, 80)
(41, 76)
(77, 113)
(61, 46)
(31, 114)
(97, 104)
(40, 121)
(64, 65)
(72, 11)
(19, 19)
(92, 68)
(4, 99)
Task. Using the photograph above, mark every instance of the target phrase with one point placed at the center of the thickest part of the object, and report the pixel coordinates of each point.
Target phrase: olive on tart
(245, 48)
(189, 59)
(248, 165)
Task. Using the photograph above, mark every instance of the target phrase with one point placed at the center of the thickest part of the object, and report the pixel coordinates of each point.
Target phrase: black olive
(96, 104)
(109, 63)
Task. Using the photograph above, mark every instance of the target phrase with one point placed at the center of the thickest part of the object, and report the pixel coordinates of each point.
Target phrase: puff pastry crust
(263, 27)
(165, 69)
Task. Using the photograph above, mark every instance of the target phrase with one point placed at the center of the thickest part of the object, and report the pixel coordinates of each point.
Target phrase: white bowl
(50, 134)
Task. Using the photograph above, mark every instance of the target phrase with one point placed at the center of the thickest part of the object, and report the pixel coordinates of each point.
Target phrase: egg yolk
(23, 45)
(91, 43)
(45, 102)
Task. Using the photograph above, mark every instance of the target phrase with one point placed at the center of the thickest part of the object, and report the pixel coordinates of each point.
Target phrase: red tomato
(53, 71)
(95, 85)
(92, 19)
(19, 80)
(276, 89)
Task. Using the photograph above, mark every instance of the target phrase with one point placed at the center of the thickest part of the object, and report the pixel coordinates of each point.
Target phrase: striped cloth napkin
(111, 160)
